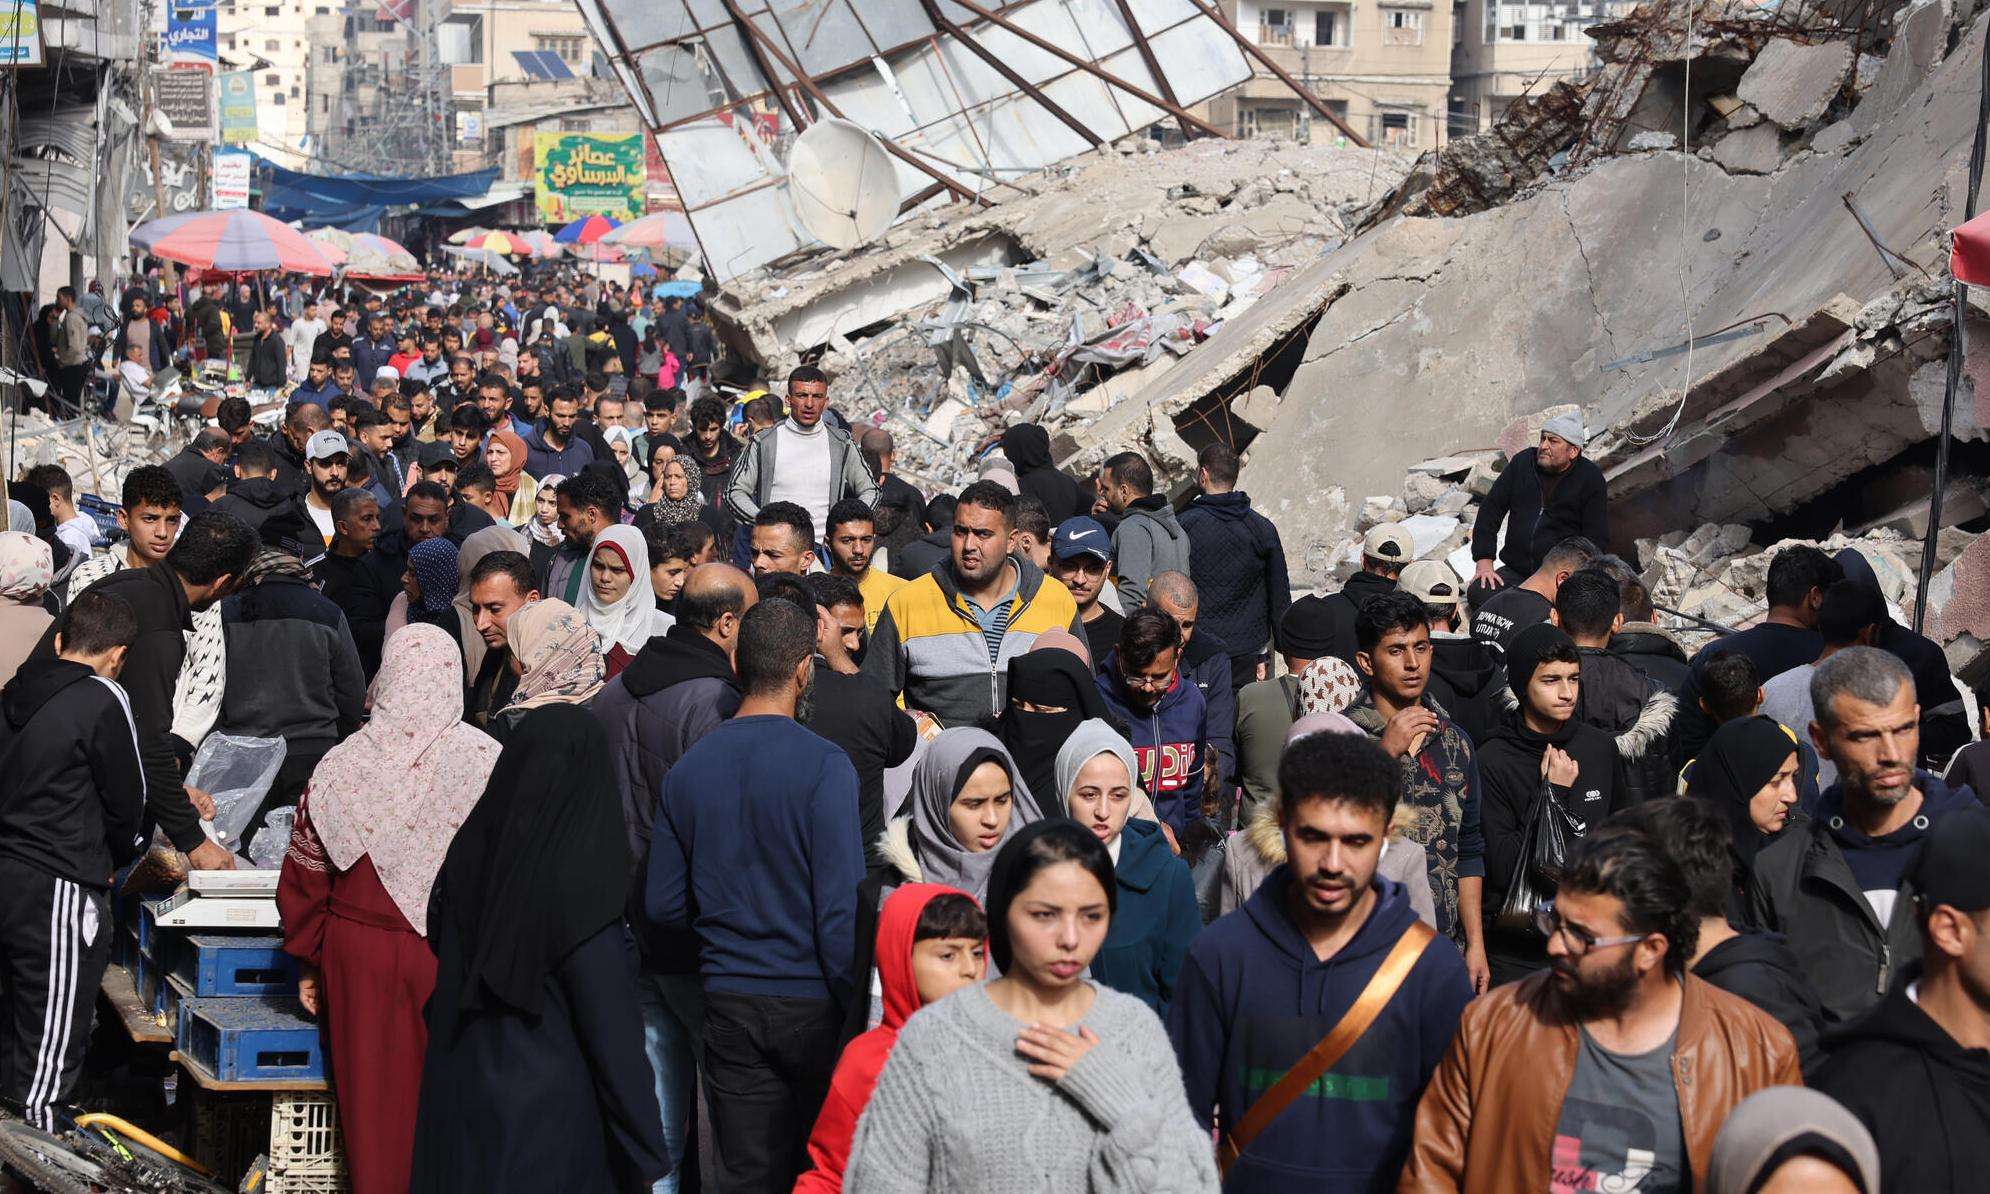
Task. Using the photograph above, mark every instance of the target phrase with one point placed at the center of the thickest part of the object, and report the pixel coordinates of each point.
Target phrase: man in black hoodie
(255, 494)
(205, 565)
(425, 516)
(301, 421)
(1916, 1069)
(1237, 561)
(919, 557)
(71, 813)
(1543, 762)
(1028, 448)
(1641, 641)
(1385, 550)
(1757, 966)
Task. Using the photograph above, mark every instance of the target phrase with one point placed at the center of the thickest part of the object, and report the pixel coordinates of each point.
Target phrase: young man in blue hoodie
(1265, 984)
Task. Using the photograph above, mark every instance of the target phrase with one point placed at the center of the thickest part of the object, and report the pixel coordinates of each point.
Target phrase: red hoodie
(863, 1058)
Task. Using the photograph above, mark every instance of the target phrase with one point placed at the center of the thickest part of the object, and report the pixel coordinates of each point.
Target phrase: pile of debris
(1068, 295)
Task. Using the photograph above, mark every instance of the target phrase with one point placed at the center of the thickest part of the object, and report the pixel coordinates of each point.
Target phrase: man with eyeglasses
(1167, 719)
(1614, 1068)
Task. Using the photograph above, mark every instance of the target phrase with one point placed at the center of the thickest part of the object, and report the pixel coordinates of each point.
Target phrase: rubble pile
(1059, 302)
(98, 463)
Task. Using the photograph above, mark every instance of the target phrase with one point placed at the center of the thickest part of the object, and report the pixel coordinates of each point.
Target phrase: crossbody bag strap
(1381, 988)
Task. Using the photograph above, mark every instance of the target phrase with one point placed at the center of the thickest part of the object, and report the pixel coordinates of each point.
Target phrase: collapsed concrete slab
(1441, 331)
(1793, 84)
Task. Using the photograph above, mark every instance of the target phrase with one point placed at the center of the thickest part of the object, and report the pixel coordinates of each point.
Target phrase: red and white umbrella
(1969, 260)
(236, 241)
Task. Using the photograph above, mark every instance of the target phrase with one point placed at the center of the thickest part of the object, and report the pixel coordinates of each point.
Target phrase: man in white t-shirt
(133, 375)
(325, 455)
(301, 335)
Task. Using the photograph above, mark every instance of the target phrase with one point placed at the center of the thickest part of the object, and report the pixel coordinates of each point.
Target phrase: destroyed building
(1726, 248)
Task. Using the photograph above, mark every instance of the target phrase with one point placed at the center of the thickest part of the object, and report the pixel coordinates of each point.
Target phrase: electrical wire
(1685, 270)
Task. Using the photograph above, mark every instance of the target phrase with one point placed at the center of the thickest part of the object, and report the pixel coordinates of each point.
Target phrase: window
(1326, 27)
(276, 97)
(460, 39)
(273, 80)
(1516, 33)
(271, 44)
(1396, 128)
(570, 47)
(1402, 27)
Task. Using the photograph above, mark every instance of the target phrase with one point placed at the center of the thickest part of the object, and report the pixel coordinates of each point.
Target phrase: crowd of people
(677, 797)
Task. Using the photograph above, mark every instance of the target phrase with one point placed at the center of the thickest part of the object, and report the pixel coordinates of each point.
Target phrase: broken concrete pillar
(1793, 84)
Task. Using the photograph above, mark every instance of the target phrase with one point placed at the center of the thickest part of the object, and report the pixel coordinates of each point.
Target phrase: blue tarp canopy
(355, 201)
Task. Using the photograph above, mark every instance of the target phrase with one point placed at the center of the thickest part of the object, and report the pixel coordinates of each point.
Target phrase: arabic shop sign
(582, 174)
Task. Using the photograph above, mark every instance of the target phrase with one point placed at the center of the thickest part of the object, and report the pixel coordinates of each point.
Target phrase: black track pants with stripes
(55, 938)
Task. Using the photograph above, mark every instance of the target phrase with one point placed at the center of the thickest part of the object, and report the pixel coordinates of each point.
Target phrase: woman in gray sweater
(1040, 1080)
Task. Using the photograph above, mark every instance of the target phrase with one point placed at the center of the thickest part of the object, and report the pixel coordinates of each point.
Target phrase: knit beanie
(1523, 653)
(1307, 629)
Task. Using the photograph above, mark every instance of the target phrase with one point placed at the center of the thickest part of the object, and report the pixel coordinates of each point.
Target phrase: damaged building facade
(1725, 247)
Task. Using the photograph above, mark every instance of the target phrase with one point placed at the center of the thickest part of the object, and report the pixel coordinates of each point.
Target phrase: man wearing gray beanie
(1546, 494)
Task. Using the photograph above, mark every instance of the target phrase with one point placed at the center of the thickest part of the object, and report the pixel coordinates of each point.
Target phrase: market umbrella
(656, 231)
(236, 241)
(462, 235)
(542, 243)
(1969, 260)
(375, 258)
(332, 242)
(494, 262)
(587, 230)
(506, 243)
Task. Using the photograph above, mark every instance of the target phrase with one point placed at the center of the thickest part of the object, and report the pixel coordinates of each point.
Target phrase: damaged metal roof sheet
(725, 82)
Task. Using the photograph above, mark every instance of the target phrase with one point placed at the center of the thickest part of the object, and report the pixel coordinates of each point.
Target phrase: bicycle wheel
(45, 1162)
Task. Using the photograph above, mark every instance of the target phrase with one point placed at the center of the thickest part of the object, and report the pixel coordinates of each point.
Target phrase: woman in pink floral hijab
(371, 832)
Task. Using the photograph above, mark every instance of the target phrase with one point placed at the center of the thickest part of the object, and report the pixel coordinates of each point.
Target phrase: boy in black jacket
(72, 807)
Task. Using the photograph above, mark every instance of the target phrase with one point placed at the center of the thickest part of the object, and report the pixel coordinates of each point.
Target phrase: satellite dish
(844, 183)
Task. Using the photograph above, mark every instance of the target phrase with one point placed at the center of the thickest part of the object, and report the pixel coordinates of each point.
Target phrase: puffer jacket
(1487, 1120)
(1634, 709)
(1149, 541)
(929, 648)
(1238, 565)
(1651, 649)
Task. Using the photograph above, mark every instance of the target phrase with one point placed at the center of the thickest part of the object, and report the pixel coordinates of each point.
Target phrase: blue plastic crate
(152, 940)
(214, 964)
(149, 980)
(251, 1040)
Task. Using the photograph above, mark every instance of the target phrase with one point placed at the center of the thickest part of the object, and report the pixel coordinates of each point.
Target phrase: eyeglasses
(1149, 683)
(1579, 942)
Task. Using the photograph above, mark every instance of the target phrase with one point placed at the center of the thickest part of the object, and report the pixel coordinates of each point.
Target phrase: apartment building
(1383, 66)
(1504, 51)
(272, 40)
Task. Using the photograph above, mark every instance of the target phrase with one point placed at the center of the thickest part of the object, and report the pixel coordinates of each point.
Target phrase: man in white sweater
(802, 459)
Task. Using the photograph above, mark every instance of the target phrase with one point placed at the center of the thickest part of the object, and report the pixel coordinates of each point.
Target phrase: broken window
(1402, 27)
(1396, 129)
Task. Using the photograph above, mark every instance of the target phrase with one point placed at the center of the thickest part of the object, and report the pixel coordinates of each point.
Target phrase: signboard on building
(185, 94)
(20, 33)
(231, 179)
(469, 128)
(190, 36)
(582, 174)
(238, 107)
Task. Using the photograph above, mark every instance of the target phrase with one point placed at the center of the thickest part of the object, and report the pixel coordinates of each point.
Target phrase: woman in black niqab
(1049, 678)
(535, 1061)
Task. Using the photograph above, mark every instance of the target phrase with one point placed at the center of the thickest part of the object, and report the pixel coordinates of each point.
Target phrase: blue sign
(190, 36)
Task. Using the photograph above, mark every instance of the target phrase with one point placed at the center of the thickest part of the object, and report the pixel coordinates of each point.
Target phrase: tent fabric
(342, 200)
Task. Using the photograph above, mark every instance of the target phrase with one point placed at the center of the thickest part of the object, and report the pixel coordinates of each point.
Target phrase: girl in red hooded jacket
(932, 941)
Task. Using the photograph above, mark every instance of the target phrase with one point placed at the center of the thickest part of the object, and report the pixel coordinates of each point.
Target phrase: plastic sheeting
(347, 200)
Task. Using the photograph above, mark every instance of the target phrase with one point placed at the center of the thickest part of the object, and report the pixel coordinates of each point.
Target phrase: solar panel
(528, 61)
(542, 64)
(556, 67)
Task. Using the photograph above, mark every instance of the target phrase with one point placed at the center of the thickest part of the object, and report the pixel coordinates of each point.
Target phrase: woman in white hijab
(1156, 916)
(619, 598)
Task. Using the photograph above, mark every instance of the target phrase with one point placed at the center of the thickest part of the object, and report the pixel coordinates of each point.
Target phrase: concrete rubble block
(1920, 38)
(1479, 481)
(1450, 468)
(945, 418)
(1420, 492)
(1379, 509)
(1792, 84)
(1428, 533)
(1928, 386)
(1652, 139)
(1757, 150)
(1257, 407)
(1834, 137)
(1454, 501)
(1231, 240)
